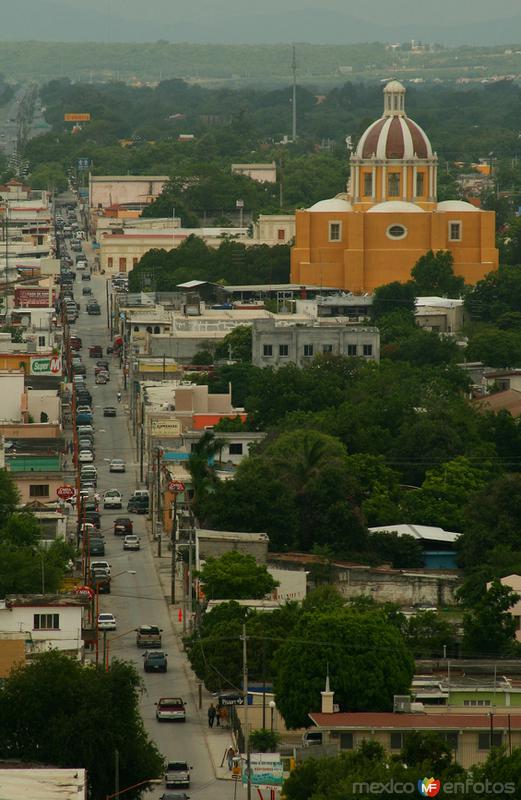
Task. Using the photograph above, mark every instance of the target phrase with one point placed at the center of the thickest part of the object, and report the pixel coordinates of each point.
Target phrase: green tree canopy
(351, 645)
(489, 628)
(235, 576)
(57, 711)
(433, 274)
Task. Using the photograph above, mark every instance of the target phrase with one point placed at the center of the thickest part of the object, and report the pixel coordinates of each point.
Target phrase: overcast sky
(233, 21)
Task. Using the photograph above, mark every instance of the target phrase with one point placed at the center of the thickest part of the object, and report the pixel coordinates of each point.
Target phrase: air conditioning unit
(402, 703)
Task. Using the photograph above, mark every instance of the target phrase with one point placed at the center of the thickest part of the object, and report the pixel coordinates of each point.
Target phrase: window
(149, 328)
(454, 231)
(335, 231)
(235, 448)
(396, 232)
(351, 349)
(308, 350)
(267, 350)
(134, 261)
(476, 703)
(368, 183)
(396, 741)
(281, 235)
(393, 184)
(157, 329)
(122, 264)
(419, 183)
(110, 262)
(327, 348)
(283, 350)
(46, 622)
(136, 329)
(368, 349)
(346, 741)
(39, 490)
(41, 341)
(484, 740)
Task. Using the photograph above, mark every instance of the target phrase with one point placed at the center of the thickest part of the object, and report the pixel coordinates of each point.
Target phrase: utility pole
(245, 696)
(294, 104)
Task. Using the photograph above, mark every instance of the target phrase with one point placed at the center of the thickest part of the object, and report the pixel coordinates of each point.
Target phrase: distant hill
(58, 20)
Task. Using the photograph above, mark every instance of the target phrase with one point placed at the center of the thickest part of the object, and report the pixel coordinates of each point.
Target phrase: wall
(43, 401)
(113, 189)
(228, 542)
(31, 431)
(11, 396)
(25, 481)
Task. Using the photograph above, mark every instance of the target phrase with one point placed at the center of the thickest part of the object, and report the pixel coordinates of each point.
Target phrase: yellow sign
(76, 117)
(165, 426)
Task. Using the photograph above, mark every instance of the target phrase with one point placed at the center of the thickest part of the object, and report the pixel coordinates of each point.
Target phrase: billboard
(265, 770)
(76, 117)
(165, 426)
(46, 365)
(33, 297)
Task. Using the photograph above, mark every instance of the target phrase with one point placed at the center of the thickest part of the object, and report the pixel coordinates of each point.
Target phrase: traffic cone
(180, 616)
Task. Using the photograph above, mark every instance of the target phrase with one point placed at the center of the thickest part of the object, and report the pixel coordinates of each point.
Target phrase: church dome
(395, 207)
(334, 204)
(455, 205)
(394, 136)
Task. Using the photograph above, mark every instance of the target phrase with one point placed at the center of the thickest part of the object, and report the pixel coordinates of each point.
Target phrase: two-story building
(47, 621)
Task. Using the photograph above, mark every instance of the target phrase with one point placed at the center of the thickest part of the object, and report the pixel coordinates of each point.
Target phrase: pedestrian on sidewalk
(211, 715)
(230, 753)
(218, 714)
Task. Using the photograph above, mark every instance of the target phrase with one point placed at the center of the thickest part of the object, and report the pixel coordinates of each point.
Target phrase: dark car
(75, 343)
(93, 309)
(95, 351)
(109, 411)
(155, 661)
(86, 290)
(94, 517)
(174, 796)
(79, 369)
(85, 276)
(102, 363)
(83, 397)
(138, 505)
(96, 547)
(100, 581)
(122, 526)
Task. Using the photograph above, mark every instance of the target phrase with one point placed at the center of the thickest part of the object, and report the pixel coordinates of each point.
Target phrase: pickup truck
(148, 636)
(177, 774)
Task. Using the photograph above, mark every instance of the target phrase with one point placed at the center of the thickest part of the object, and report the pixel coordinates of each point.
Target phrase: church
(376, 231)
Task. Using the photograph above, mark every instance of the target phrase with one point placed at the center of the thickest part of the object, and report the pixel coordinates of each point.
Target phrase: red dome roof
(394, 137)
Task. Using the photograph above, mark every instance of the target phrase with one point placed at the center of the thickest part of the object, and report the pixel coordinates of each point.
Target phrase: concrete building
(440, 314)
(389, 217)
(109, 190)
(213, 544)
(276, 344)
(274, 229)
(262, 173)
(235, 449)
(20, 782)
(48, 621)
(513, 582)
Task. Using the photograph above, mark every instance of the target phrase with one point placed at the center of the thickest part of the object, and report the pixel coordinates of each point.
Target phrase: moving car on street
(155, 662)
(131, 542)
(123, 526)
(106, 622)
(177, 774)
(170, 709)
(148, 636)
(112, 499)
(109, 411)
(117, 465)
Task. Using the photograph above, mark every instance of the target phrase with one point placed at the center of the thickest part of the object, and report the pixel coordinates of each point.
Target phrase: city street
(138, 599)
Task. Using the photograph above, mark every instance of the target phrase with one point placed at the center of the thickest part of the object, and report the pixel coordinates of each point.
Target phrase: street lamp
(105, 646)
(272, 706)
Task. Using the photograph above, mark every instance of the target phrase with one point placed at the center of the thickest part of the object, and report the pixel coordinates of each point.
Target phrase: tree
(236, 345)
(433, 274)
(427, 751)
(57, 711)
(9, 495)
(264, 741)
(393, 296)
(351, 646)
(500, 348)
(235, 576)
(427, 635)
(489, 628)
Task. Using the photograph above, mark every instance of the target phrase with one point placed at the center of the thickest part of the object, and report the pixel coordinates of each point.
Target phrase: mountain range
(55, 20)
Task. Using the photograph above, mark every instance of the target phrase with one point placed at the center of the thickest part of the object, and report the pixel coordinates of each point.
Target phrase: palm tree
(201, 468)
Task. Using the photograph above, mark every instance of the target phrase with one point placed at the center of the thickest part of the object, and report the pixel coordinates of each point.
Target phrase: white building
(47, 621)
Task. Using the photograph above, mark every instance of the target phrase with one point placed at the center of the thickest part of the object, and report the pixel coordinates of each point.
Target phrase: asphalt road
(9, 123)
(138, 599)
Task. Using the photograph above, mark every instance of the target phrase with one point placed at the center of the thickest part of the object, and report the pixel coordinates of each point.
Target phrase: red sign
(33, 297)
(84, 591)
(176, 487)
(65, 492)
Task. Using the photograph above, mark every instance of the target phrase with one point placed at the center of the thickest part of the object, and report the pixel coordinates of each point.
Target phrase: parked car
(101, 565)
(156, 661)
(112, 499)
(170, 709)
(100, 379)
(174, 796)
(85, 276)
(117, 465)
(106, 622)
(109, 411)
(131, 542)
(103, 363)
(83, 418)
(100, 581)
(83, 429)
(75, 343)
(94, 517)
(177, 774)
(122, 526)
(86, 290)
(85, 456)
(96, 546)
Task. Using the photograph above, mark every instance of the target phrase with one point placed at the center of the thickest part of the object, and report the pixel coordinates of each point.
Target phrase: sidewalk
(218, 739)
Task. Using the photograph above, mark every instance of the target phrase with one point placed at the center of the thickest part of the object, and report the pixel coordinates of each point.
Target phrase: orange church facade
(389, 217)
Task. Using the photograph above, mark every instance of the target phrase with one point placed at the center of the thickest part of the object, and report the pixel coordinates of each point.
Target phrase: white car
(117, 465)
(112, 499)
(100, 565)
(85, 456)
(131, 542)
(106, 622)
